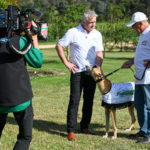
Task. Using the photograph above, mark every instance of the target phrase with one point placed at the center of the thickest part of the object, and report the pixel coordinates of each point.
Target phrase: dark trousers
(25, 122)
(78, 82)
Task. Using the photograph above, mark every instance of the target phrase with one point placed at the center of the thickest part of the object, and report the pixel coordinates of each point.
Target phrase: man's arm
(99, 59)
(60, 51)
(34, 57)
(128, 64)
(34, 37)
(35, 41)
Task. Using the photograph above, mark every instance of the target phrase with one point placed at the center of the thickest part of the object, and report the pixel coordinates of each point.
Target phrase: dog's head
(95, 73)
(103, 83)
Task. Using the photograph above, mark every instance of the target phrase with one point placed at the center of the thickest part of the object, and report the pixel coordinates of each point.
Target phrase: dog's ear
(99, 74)
(88, 68)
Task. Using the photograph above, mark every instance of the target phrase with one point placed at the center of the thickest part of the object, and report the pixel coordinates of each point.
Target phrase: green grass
(47, 42)
(50, 102)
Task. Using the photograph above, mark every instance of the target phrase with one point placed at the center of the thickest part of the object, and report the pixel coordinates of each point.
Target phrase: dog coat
(120, 93)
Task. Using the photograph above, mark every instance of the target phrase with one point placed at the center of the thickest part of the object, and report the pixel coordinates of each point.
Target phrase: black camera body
(10, 17)
(14, 20)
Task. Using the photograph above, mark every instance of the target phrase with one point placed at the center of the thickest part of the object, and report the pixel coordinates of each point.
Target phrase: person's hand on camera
(32, 30)
(33, 35)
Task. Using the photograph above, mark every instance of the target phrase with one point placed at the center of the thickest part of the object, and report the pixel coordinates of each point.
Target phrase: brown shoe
(87, 131)
(71, 136)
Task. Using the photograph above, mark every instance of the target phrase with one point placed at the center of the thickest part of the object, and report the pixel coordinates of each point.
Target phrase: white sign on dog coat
(120, 93)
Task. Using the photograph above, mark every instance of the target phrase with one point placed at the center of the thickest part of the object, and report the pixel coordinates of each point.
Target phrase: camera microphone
(34, 12)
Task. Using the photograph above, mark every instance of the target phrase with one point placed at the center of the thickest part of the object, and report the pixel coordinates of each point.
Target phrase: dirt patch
(47, 46)
(42, 73)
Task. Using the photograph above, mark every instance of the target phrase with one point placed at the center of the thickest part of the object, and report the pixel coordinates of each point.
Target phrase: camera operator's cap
(137, 17)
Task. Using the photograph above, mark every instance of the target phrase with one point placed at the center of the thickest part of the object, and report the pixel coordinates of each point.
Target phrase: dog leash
(112, 72)
(101, 78)
(143, 71)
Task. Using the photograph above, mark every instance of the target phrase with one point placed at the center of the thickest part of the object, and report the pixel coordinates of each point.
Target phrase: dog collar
(102, 78)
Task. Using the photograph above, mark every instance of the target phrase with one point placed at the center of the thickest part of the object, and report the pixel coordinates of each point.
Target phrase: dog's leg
(107, 116)
(133, 120)
(113, 115)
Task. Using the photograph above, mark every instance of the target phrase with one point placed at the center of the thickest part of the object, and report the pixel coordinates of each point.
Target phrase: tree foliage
(64, 14)
(117, 35)
(108, 10)
(5, 3)
(72, 17)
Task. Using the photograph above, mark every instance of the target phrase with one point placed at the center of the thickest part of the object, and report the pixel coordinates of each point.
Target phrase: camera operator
(15, 88)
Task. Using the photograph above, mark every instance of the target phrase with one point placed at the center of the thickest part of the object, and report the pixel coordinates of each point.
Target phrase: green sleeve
(34, 57)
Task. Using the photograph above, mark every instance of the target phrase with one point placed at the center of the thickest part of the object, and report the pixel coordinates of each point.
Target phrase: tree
(5, 3)
(71, 18)
(115, 12)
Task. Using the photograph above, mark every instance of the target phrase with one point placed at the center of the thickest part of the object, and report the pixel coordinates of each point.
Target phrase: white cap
(137, 17)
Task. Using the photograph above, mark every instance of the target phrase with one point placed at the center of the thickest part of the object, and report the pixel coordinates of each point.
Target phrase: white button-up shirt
(83, 46)
(142, 53)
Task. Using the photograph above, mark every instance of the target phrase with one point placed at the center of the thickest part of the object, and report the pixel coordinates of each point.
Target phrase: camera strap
(11, 37)
(18, 51)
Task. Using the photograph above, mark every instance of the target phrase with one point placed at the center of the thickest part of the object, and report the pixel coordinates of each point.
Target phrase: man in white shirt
(86, 50)
(142, 76)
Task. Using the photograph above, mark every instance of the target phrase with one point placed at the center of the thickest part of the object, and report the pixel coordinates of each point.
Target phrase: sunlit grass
(50, 102)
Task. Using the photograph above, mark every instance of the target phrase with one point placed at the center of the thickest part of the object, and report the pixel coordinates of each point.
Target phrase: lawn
(50, 102)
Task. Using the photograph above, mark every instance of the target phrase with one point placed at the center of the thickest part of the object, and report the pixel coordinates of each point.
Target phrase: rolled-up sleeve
(34, 57)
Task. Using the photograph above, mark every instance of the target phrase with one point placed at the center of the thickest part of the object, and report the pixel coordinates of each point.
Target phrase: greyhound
(110, 102)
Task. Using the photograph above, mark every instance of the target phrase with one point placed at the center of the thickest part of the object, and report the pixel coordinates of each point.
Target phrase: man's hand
(34, 36)
(30, 29)
(147, 63)
(72, 68)
(128, 64)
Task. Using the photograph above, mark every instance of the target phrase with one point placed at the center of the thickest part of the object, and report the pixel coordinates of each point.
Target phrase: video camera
(12, 20)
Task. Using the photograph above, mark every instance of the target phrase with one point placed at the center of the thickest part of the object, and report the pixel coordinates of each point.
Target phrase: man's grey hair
(88, 13)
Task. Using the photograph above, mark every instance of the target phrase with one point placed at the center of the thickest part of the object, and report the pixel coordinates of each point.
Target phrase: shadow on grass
(45, 126)
(60, 129)
(51, 62)
(50, 127)
(117, 58)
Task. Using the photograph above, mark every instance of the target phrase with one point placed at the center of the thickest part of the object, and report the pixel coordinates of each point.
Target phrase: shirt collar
(83, 30)
(146, 30)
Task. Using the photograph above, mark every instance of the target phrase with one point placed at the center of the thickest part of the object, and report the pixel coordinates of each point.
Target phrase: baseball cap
(137, 17)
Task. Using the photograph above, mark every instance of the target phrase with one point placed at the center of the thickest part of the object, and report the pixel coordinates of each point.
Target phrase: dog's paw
(105, 136)
(127, 130)
(114, 137)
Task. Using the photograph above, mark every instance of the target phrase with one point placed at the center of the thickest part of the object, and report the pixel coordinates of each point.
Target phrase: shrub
(117, 35)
